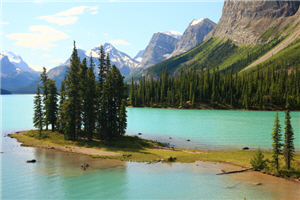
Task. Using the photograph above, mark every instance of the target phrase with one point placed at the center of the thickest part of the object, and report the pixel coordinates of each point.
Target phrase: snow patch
(13, 57)
(195, 22)
(166, 55)
(174, 34)
(139, 59)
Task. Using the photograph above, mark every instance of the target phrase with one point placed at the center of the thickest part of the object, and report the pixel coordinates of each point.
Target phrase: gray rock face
(193, 35)
(139, 56)
(159, 48)
(246, 21)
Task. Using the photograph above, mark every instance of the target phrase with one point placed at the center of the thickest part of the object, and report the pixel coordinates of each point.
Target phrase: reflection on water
(57, 175)
(69, 164)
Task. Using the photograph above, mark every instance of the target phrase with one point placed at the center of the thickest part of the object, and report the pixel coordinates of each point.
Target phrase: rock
(256, 183)
(170, 138)
(31, 161)
(140, 134)
(246, 148)
(188, 140)
(126, 155)
(172, 159)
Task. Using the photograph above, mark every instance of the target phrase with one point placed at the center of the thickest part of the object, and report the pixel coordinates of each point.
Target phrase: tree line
(85, 107)
(268, 89)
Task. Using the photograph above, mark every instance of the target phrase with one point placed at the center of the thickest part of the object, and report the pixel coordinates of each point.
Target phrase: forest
(264, 89)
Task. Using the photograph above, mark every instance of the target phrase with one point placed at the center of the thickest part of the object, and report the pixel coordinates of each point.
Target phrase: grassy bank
(148, 151)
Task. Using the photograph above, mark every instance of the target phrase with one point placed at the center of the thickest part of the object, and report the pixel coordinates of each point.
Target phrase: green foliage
(277, 145)
(288, 148)
(258, 162)
(38, 116)
(261, 90)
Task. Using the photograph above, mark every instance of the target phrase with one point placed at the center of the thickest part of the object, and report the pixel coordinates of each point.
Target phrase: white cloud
(45, 56)
(122, 42)
(95, 12)
(36, 67)
(67, 17)
(4, 23)
(41, 37)
(60, 20)
(56, 60)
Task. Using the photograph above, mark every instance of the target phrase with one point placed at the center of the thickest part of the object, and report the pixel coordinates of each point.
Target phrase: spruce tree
(51, 104)
(288, 148)
(89, 101)
(45, 88)
(38, 117)
(276, 137)
(73, 101)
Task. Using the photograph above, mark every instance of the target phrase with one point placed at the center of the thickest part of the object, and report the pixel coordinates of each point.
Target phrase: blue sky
(42, 32)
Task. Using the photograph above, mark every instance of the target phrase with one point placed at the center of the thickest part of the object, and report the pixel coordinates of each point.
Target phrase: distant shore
(143, 151)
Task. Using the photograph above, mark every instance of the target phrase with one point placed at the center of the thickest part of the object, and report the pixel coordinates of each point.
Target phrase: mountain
(193, 35)
(161, 45)
(122, 61)
(139, 56)
(17, 60)
(250, 33)
(13, 77)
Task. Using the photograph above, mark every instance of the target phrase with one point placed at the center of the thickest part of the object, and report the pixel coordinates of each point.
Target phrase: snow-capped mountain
(139, 56)
(174, 34)
(17, 60)
(193, 35)
(12, 76)
(122, 61)
(161, 45)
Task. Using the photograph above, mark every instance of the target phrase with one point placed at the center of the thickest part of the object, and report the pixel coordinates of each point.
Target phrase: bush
(258, 162)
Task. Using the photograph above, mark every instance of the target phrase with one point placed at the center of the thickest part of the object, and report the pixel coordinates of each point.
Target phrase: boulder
(31, 161)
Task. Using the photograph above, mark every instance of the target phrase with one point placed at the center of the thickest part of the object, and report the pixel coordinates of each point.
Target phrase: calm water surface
(57, 175)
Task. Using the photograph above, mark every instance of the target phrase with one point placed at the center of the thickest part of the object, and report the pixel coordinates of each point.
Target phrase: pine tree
(258, 162)
(288, 148)
(73, 101)
(45, 88)
(62, 108)
(90, 101)
(38, 117)
(51, 104)
(276, 137)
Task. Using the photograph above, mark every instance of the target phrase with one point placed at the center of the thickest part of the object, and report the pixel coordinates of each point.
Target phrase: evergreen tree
(73, 101)
(288, 148)
(45, 88)
(90, 101)
(51, 104)
(276, 137)
(38, 117)
(62, 108)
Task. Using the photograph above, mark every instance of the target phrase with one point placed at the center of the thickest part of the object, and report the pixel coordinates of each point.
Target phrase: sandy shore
(75, 149)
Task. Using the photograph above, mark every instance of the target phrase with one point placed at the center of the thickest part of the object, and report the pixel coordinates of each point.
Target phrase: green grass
(148, 151)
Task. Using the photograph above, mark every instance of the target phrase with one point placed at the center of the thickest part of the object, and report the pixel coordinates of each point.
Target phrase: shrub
(258, 162)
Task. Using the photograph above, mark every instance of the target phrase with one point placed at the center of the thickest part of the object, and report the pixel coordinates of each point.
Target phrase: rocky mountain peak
(246, 21)
(193, 35)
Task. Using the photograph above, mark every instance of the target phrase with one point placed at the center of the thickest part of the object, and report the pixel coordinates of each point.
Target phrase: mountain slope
(17, 60)
(248, 31)
(193, 35)
(13, 77)
(159, 48)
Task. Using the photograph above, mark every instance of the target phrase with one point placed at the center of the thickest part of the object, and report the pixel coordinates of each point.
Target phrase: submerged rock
(31, 161)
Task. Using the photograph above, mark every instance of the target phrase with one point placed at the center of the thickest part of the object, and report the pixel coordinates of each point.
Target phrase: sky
(42, 32)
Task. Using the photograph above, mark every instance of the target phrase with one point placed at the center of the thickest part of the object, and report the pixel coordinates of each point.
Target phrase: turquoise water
(209, 129)
(57, 175)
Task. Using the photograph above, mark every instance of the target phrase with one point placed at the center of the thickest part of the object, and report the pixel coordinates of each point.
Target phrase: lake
(57, 175)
